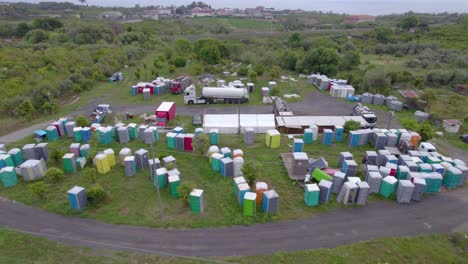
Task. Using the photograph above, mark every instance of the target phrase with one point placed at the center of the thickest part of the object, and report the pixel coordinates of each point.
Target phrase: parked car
(197, 120)
(464, 138)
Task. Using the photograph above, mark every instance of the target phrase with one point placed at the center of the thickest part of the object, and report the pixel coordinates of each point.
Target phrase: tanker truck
(211, 95)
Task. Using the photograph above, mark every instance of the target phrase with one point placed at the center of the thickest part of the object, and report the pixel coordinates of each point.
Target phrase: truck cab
(366, 113)
(104, 108)
(190, 96)
(178, 85)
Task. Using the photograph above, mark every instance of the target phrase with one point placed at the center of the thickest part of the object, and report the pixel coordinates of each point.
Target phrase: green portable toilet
(161, 178)
(250, 199)
(171, 140)
(402, 172)
(215, 160)
(6, 161)
(214, 136)
(69, 163)
(133, 131)
(236, 181)
(8, 177)
(452, 178)
(319, 175)
(388, 186)
(311, 194)
(77, 134)
(16, 156)
(197, 202)
(433, 160)
(52, 133)
(174, 182)
(156, 134)
(308, 136)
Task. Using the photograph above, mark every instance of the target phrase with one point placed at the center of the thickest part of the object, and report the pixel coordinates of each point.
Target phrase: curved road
(445, 212)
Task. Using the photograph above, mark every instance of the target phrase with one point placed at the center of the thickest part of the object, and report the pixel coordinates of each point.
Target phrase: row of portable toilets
(381, 138)
(157, 87)
(386, 175)
(377, 99)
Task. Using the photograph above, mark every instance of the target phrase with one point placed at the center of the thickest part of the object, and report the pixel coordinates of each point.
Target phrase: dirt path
(450, 149)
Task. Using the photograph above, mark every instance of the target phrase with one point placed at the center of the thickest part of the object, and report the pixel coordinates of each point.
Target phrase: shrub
(54, 175)
(243, 71)
(251, 171)
(82, 121)
(57, 155)
(96, 195)
(351, 125)
(172, 68)
(39, 189)
(90, 173)
(259, 69)
(179, 62)
(184, 190)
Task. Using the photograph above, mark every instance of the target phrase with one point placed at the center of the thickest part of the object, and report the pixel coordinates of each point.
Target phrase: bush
(82, 121)
(57, 155)
(37, 36)
(96, 195)
(172, 68)
(184, 190)
(351, 125)
(259, 69)
(243, 71)
(251, 171)
(39, 189)
(54, 175)
(90, 173)
(179, 62)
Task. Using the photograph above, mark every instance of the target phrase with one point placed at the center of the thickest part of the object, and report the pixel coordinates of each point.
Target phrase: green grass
(133, 200)
(17, 247)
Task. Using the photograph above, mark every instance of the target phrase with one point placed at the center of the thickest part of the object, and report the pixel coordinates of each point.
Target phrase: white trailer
(210, 95)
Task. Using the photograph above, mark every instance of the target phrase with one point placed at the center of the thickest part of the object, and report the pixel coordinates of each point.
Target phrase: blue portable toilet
(40, 135)
(86, 134)
(134, 90)
(298, 145)
(77, 198)
(327, 136)
(339, 131)
(178, 130)
(353, 139)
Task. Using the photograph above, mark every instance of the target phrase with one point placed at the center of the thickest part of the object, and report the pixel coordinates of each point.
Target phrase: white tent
(229, 124)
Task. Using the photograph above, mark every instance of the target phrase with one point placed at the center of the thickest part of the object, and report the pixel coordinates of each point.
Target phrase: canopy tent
(229, 124)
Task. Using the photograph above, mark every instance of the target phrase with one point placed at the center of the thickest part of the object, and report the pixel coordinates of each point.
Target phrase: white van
(427, 147)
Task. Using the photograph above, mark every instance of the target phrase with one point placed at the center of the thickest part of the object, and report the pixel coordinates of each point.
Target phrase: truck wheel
(190, 102)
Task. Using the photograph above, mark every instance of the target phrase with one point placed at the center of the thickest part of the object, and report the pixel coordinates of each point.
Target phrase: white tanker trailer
(211, 95)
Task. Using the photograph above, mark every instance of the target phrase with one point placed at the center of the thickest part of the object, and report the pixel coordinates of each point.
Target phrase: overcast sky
(373, 7)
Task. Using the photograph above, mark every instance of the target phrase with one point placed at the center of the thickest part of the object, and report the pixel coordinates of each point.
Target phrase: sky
(371, 7)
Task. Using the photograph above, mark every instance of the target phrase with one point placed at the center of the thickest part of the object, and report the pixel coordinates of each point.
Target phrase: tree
(383, 34)
(26, 109)
(47, 23)
(202, 144)
(90, 173)
(183, 46)
(251, 171)
(82, 121)
(22, 29)
(184, 190)
(376, 81)
(179, 61)
(39, 189)
(253, 76)
(259, 69)
(323, 60)
(288, 60)
(138, 74)
(243, 71)
(83, 2)
(426, 131)
(350, 61)
(275, 72)
(295, 40)
(351, 125)
(36, 36)
(54, 175)
(210, 54)
(409, 22)
(96, 195)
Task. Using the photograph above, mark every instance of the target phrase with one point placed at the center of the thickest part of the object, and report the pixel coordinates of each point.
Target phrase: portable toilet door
(339, 131)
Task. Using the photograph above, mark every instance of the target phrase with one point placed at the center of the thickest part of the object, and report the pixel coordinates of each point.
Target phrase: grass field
(17, 247)
(133, 200)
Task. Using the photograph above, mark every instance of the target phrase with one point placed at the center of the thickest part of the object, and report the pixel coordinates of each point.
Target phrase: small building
(151, 14)
(358, 19)
(111, 15)
(202, 12)
(451, 125)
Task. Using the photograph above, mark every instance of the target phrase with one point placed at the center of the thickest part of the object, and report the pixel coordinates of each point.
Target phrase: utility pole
(390, 116)
(153, 173)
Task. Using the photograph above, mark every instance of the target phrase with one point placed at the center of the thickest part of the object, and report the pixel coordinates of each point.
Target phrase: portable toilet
(311, 194)
(298, 145)
(77, 198)
(171, 140)
(339, 131)
(250, 203)
(308, 136)
(196, 199)
(327, 136)
(214, 136)
(273, 138)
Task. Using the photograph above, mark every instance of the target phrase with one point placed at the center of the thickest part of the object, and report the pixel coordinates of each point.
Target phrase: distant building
(359, 19)
(451, 125)
(202, 12)
(111, 15)
(166, 12)
(226, 12)
(151, 14)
